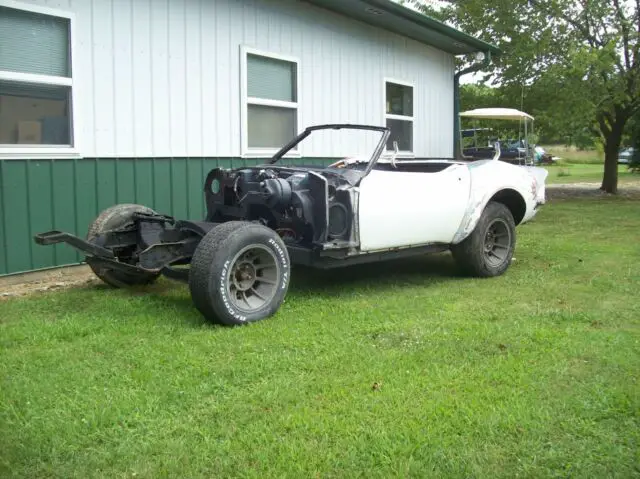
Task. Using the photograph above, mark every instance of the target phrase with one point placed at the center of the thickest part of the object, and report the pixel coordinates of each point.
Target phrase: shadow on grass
(167, 295)
(168, 301)
(421, 270)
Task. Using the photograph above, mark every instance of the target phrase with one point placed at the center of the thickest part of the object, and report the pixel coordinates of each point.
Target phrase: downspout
(457, 152)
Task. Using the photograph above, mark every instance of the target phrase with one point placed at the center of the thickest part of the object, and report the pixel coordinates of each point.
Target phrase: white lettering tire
(239, 273)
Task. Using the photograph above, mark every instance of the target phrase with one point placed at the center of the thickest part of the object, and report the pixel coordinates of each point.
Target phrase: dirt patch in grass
(44, 281)
(591, 190)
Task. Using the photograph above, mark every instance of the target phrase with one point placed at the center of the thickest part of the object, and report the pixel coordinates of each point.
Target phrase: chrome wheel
(497, 242)
(253, 278)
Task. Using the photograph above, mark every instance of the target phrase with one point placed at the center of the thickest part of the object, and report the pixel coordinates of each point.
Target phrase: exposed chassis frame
(175, 242)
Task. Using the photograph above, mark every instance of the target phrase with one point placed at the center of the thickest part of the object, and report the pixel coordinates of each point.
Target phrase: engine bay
(305, 206)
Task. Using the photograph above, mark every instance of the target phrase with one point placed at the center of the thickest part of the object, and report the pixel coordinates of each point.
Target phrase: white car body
(448, 203)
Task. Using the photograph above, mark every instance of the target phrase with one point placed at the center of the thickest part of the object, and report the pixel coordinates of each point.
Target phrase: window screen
(271, 79)
(34, 43)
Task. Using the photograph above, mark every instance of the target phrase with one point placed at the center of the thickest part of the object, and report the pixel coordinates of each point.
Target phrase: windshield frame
(377, 153)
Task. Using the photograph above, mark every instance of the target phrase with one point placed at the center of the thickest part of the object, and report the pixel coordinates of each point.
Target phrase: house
(120, 101)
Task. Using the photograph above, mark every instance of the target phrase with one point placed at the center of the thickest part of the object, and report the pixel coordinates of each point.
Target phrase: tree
(634, 133)
(582, 54)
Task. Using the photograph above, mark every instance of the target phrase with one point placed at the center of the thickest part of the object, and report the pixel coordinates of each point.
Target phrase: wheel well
(512, 200)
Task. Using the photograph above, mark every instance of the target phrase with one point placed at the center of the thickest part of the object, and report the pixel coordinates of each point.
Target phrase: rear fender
(472, 215)
(488, 179)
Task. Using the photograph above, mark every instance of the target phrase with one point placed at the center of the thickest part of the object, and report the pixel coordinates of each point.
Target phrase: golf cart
(483, 143)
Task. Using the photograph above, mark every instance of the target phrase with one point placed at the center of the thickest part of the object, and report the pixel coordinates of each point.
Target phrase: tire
(226, 271)
(488, 250)
(116, 217)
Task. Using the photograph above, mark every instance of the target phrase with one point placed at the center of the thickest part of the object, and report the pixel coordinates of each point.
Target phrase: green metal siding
(39, 195)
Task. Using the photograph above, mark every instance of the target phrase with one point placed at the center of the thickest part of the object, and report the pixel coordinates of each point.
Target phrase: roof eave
(431, 23)
(461, 43)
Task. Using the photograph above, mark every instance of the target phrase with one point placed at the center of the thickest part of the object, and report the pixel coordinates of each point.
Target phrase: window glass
(399, 99)
(37, 109)
(270, 127)
(32, 114)
(272, 97)
(402, 132)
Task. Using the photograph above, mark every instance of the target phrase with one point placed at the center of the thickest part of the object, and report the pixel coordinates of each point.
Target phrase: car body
(383, 198)
(358, 209)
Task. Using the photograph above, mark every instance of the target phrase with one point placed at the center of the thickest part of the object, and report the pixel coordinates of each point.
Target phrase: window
(271, 102)
(35, 79)
(399, 115)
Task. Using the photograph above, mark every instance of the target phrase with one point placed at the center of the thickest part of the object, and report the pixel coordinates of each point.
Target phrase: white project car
(262, 219)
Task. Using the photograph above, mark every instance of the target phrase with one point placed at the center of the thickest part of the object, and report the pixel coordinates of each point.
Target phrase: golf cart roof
(496, 114)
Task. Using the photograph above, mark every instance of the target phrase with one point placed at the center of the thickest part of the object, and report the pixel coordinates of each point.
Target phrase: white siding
(162, 77)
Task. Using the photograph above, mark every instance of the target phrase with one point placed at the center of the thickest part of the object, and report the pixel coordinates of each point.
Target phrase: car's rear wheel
(116, 217)
(488, 250)
(239, 273)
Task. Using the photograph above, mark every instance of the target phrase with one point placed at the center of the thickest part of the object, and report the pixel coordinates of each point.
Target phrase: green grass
(533, 374)
(571, 155)
(586, 173)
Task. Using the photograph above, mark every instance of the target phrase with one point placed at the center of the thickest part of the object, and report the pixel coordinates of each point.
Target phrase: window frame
(246, 100)
(389, 116)
(8, 151)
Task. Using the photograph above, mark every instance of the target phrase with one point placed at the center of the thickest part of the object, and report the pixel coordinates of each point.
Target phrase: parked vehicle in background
(480, 143)
(541, 156)
(625, 155)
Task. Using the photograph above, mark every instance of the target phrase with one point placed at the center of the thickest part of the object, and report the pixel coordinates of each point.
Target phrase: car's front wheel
(488, 251)
(239, 273)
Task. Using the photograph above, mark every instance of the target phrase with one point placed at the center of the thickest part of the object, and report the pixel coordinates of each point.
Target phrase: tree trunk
(611, 149)
(610, 178)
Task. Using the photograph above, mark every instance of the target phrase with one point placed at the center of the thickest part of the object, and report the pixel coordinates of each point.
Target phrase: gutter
(425, 21)
(457, 147)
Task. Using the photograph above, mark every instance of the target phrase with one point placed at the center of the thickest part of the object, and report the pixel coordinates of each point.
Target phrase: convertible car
(261, 219)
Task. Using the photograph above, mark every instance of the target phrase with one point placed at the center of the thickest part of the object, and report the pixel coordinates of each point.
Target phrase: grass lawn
(573, 155)
(586, 173)
(532, 374)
